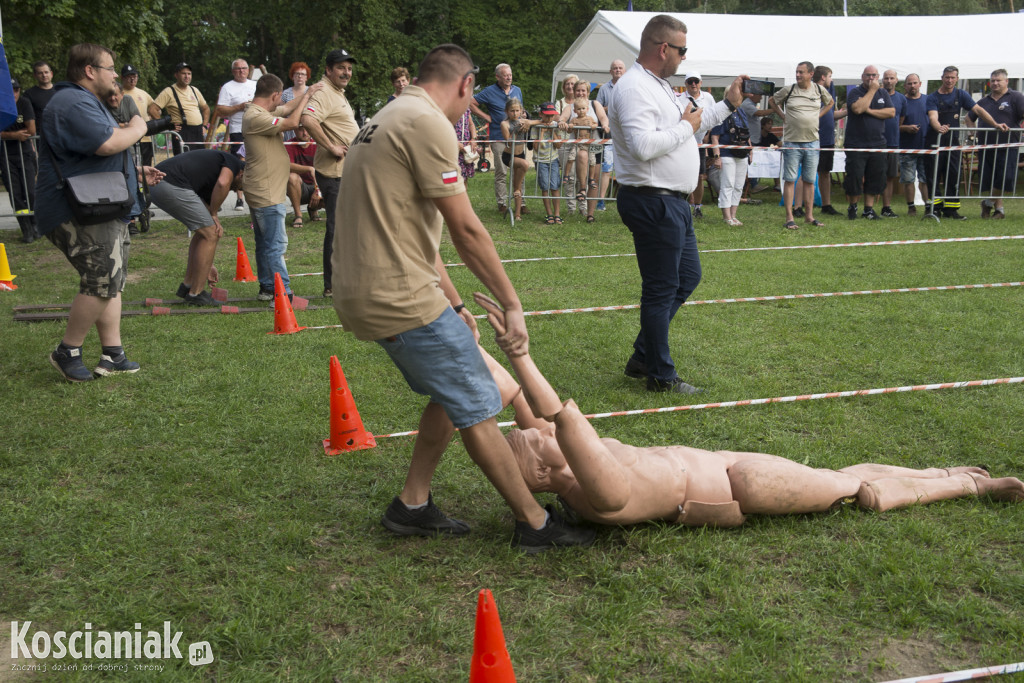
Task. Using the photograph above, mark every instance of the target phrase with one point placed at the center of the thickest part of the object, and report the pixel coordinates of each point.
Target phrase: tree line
(531, 35)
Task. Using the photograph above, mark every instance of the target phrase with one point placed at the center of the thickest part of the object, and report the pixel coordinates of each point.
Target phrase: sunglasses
(682, 50)
(693, 81)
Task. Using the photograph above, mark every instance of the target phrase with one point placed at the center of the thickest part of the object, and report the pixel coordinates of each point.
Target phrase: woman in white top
(567, 153)
(595, 111)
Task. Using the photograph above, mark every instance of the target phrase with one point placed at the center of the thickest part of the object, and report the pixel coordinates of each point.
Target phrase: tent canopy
(722, 46)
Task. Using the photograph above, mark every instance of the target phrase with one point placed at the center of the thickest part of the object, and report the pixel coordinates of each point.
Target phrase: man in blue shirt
(81, 136)
(869, 106)
(827, 138)
(912, 131)
(998, 168)
(892, 140)
(494, 97)
(944, 108)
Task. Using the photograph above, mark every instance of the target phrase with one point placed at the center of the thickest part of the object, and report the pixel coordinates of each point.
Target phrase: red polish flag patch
(275, 122)
(450, 177)
(310, 109)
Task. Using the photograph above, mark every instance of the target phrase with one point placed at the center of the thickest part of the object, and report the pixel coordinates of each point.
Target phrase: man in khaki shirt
(129, 79)
(390, 286)
(332, 123)
(266, 175)
(187, 108)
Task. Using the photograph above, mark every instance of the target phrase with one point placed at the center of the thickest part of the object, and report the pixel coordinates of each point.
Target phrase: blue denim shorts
(912, 167)
(441, 360)
(549, 175)
(800, 154)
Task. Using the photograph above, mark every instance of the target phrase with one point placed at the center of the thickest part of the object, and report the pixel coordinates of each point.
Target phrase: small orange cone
(347, 432)
(6, 279)
(284, 316)
(243, 271)
(491, 663)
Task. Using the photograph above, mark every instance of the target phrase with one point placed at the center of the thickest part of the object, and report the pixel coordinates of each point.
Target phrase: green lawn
(197, 491)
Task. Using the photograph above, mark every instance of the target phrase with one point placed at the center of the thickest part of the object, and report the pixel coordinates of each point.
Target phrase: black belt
(646, 189)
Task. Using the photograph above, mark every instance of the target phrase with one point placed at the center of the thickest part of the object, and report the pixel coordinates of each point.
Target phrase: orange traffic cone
(6, 279)
(284, 316)
(243, 271)
(347, 432)
(491, 662)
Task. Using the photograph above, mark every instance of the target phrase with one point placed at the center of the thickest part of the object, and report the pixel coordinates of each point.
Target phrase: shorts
(506, 158)
(98, 252)
(826, 159)
(182, 203)
(912, 167)
(607, 160)
(306, 193)
(441, 360)
(800, 155)
(596, 155)
(548, 175)
(892, 165)
(865, 173)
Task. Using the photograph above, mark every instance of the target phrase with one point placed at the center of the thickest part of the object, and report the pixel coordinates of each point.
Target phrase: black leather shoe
(635, 369)
(675, 386)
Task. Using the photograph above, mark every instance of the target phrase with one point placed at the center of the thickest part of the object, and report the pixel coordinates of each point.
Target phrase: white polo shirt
(232, 93)
(653, 145)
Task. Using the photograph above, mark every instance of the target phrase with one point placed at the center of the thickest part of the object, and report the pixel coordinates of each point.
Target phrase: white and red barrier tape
(747, 299)
(778, 399)
(941, 240)
(964, 675)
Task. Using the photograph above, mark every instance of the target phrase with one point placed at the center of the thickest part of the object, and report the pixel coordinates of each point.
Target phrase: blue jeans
(442, 360)
(271, 243)
(666, 253)
(800, 154)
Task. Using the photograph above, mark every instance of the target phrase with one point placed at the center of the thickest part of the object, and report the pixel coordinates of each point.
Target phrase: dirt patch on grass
(134, 277)
(917, 657)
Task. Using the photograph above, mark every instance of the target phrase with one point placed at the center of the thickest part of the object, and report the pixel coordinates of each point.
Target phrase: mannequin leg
(775, 486)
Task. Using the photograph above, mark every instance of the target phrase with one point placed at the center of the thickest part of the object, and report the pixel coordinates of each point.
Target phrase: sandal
(297, 223)
(791, 225)
(549, 220)
(816, 223)
(591, 219)
(581, 196)
(558, 220)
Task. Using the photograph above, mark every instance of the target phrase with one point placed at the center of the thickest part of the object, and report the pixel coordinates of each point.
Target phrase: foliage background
(382, 34)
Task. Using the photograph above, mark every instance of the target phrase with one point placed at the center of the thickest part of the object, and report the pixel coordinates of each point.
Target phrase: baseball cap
(129, 70)
(182, 65)
(693, 74)
(15, 85)
(548, 109)
(338, 56)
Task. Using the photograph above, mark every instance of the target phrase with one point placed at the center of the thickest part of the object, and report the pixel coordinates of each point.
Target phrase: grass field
(197, 491)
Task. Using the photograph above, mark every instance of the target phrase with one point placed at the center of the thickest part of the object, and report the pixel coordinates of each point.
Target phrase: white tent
(722, 46)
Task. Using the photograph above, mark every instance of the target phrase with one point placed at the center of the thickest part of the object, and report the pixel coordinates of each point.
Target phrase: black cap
(129, 70)
(338, 56)
(15, 85)
(182, 65)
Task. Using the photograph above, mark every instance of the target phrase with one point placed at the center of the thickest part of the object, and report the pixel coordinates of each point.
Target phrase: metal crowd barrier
(11, 181)
(976, 163)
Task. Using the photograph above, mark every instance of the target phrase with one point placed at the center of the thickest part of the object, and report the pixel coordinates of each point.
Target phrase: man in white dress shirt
(655, 136)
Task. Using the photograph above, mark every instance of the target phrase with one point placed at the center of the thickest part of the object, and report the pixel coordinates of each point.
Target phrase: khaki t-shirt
(331, 110)
(189, 102)
(142, 101)
(802, 110)
(266, 161)
(388, 228)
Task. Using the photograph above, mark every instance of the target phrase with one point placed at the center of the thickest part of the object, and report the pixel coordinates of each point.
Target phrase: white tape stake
(964, 675)
(781, 399)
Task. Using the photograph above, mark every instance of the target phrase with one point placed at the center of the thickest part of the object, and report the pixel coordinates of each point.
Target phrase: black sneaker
(798, 212)
(635, 369)
(698, 212)
(265, 295)
(182, 291)
(953, 215)
(557, 533)
(68, 362)
(425, 521)
(114, 366)
(239, 204)
(830, 210)
(870, 215)
(851, 212)
(888, 212)
(675, 386)
(203, 298)
(133, 228)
